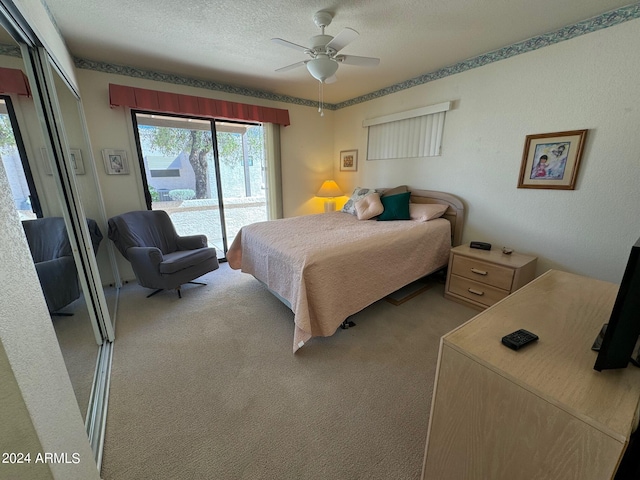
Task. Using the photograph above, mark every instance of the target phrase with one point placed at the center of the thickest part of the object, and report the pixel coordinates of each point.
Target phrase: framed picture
(349, 160)
(115, 162)
(75, 155)
(76, 160)
(551, 160)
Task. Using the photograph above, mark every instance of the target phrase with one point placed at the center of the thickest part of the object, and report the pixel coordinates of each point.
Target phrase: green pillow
(396, 207)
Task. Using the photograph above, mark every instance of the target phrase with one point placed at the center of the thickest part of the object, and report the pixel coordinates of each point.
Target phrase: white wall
(588, 82)
(14, 418)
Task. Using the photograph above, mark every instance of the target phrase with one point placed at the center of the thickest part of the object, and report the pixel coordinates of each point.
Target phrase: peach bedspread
(330, 266)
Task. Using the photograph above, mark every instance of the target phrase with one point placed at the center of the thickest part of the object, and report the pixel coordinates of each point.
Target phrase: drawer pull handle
(479, 272)
(476, 292)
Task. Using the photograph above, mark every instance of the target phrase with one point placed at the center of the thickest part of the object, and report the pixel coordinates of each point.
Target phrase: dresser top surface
(566, 311)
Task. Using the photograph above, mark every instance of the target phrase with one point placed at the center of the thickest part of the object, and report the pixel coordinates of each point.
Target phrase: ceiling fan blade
(292, 66)
(286, 43)
(331, 79)
(356, 60)
(344, 38)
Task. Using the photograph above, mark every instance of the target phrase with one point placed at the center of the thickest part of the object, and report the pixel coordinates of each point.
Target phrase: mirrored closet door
(80, 160)
(48, 158)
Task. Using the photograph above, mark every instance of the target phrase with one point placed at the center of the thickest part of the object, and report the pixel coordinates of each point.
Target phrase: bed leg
(347, 324)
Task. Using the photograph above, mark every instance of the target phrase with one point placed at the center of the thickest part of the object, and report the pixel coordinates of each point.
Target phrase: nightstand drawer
(475, 291)
(478, 271)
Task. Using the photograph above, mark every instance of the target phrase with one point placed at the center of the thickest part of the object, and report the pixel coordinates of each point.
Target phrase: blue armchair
(160, 258)
(51, 252)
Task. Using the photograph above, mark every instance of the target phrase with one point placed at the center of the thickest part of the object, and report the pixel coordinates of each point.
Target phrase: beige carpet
(207, 387)
(79, 349)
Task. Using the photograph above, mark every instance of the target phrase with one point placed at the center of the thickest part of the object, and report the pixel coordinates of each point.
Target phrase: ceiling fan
(324, 49)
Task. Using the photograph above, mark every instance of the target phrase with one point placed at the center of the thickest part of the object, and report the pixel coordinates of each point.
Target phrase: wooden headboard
(455, 212)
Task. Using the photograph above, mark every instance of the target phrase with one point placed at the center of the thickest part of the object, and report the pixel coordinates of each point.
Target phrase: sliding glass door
(16, 165)
(208, 175)
(242, 168)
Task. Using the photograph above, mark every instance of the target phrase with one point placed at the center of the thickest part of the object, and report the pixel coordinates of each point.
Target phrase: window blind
(410, 134)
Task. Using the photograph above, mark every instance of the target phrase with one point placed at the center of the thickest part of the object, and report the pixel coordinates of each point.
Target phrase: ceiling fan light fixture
(322, 67)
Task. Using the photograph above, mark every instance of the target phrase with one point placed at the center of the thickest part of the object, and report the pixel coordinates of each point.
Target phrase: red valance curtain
(165, 102)
(13, 80)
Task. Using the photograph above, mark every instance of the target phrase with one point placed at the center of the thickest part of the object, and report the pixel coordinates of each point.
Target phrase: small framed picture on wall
(115, 162)
(349, 161)
(75, 155)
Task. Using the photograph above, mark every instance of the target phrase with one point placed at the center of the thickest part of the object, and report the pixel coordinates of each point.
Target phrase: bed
(329, 266)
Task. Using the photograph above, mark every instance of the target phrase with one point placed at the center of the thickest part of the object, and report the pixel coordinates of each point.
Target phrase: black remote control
(519, 339)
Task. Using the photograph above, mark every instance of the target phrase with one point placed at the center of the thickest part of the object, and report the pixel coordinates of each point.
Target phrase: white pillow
(368, 207)
(423, 212)
(358, 194)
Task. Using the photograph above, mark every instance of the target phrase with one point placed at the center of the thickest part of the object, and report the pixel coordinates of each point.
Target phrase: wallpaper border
(605, 20)
(600, 22)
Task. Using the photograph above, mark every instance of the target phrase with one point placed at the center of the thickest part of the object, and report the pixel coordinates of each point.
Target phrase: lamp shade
(329, 189)
(322, 67)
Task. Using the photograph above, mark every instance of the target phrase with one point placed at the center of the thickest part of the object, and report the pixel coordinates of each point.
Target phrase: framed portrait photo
(551, 160)
(115, 162)
(349, 161)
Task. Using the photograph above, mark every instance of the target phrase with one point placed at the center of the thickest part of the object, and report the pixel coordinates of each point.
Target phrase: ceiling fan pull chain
(320, 99)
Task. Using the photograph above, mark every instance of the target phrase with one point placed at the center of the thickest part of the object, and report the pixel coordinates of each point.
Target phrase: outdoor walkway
(192, 217)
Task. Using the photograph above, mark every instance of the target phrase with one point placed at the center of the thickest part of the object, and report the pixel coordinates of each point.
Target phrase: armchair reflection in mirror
(160, 258)
(51, 251)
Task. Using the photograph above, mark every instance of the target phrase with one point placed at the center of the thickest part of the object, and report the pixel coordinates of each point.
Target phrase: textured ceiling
(228, 41)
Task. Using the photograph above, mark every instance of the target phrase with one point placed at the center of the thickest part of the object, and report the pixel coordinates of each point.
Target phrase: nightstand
(480, 278)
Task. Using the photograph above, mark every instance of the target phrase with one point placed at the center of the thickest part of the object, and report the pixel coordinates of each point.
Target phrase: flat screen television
(620, 335)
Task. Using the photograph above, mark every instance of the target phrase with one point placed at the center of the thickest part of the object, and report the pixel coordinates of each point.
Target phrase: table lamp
(329, 190)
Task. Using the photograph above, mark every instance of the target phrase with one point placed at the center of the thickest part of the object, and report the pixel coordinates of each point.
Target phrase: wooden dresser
(480, 278)
(541, 412)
